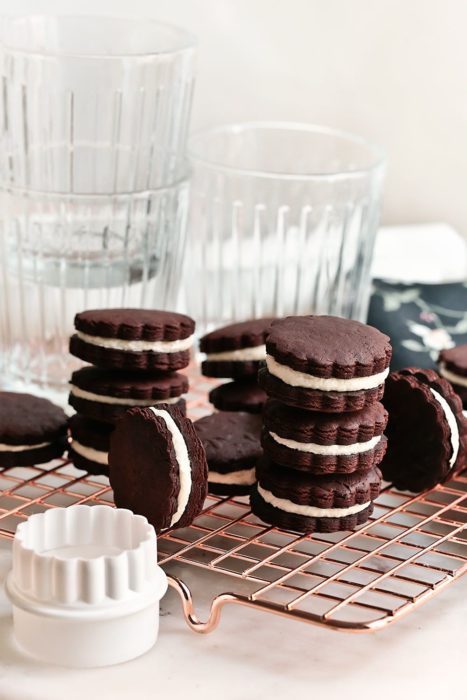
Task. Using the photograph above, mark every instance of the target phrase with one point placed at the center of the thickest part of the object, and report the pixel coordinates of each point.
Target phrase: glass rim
(187, 40)
(233, 128)
(22, 192)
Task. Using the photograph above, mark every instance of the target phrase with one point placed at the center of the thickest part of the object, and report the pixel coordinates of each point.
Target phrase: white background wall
(392, 70)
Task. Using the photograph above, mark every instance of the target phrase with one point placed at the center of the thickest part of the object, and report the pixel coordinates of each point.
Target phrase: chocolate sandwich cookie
(235, 351)
(133, 339)
(452, 366)
(89, 444)
(305, 502)
(32, 430)
(104, 395)
(427, 433)
(233, 447)
(243, 395)
(158, 466)
(325, 363)
(323, 443)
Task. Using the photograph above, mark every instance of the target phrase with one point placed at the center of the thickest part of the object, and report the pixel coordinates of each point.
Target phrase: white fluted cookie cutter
(85, 585)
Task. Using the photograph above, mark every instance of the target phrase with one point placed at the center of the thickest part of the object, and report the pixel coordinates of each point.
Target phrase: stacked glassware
(93, 180)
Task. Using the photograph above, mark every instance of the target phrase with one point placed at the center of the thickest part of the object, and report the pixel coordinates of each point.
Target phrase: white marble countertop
(254, 656)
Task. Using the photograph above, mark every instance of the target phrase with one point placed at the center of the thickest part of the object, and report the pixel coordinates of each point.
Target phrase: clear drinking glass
(282, 221)
(94, 117)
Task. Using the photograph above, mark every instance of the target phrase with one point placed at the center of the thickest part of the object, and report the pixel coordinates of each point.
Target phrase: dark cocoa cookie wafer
(323, 443)
(133, 339)
(452, 366)
(238, 396)
(89, 444)
(233, 447)
(236, 350)
(304, 502)
(325, 363)
(427, 433)
(32, 430)
(104, 395)
(158, 466)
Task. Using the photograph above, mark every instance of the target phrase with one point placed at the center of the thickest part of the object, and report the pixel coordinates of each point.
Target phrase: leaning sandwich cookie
(427, 432)
(158, 466)
(325, 363)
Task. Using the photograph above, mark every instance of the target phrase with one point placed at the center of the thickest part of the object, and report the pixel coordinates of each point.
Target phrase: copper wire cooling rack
(411, 549)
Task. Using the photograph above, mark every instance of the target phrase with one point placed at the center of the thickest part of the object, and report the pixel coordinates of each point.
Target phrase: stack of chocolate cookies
(322, 425)
(236, 352)
(135, 356)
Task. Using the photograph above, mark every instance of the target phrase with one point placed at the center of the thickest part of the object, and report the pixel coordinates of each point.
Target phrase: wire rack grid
(411, 548)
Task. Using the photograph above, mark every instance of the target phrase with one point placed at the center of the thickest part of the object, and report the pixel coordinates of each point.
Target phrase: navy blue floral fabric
(421, 319)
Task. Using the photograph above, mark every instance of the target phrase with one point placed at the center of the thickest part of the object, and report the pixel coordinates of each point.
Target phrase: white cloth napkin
(429, 253)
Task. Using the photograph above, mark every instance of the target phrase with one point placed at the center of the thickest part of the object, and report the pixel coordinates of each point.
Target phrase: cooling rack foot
(191, 618)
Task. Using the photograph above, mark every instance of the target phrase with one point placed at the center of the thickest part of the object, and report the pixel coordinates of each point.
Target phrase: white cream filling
(100, 398)
(294, 378)
(452, 377)
(309, 511)
(183, 461)
(258, 352)
(314, 448)
(4, 447)
(452, 423)
(137, 345)
(242, 477)
(90, 453)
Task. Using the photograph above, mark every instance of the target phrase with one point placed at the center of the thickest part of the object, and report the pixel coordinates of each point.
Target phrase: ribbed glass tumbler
(282, 221)
(93, 178)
